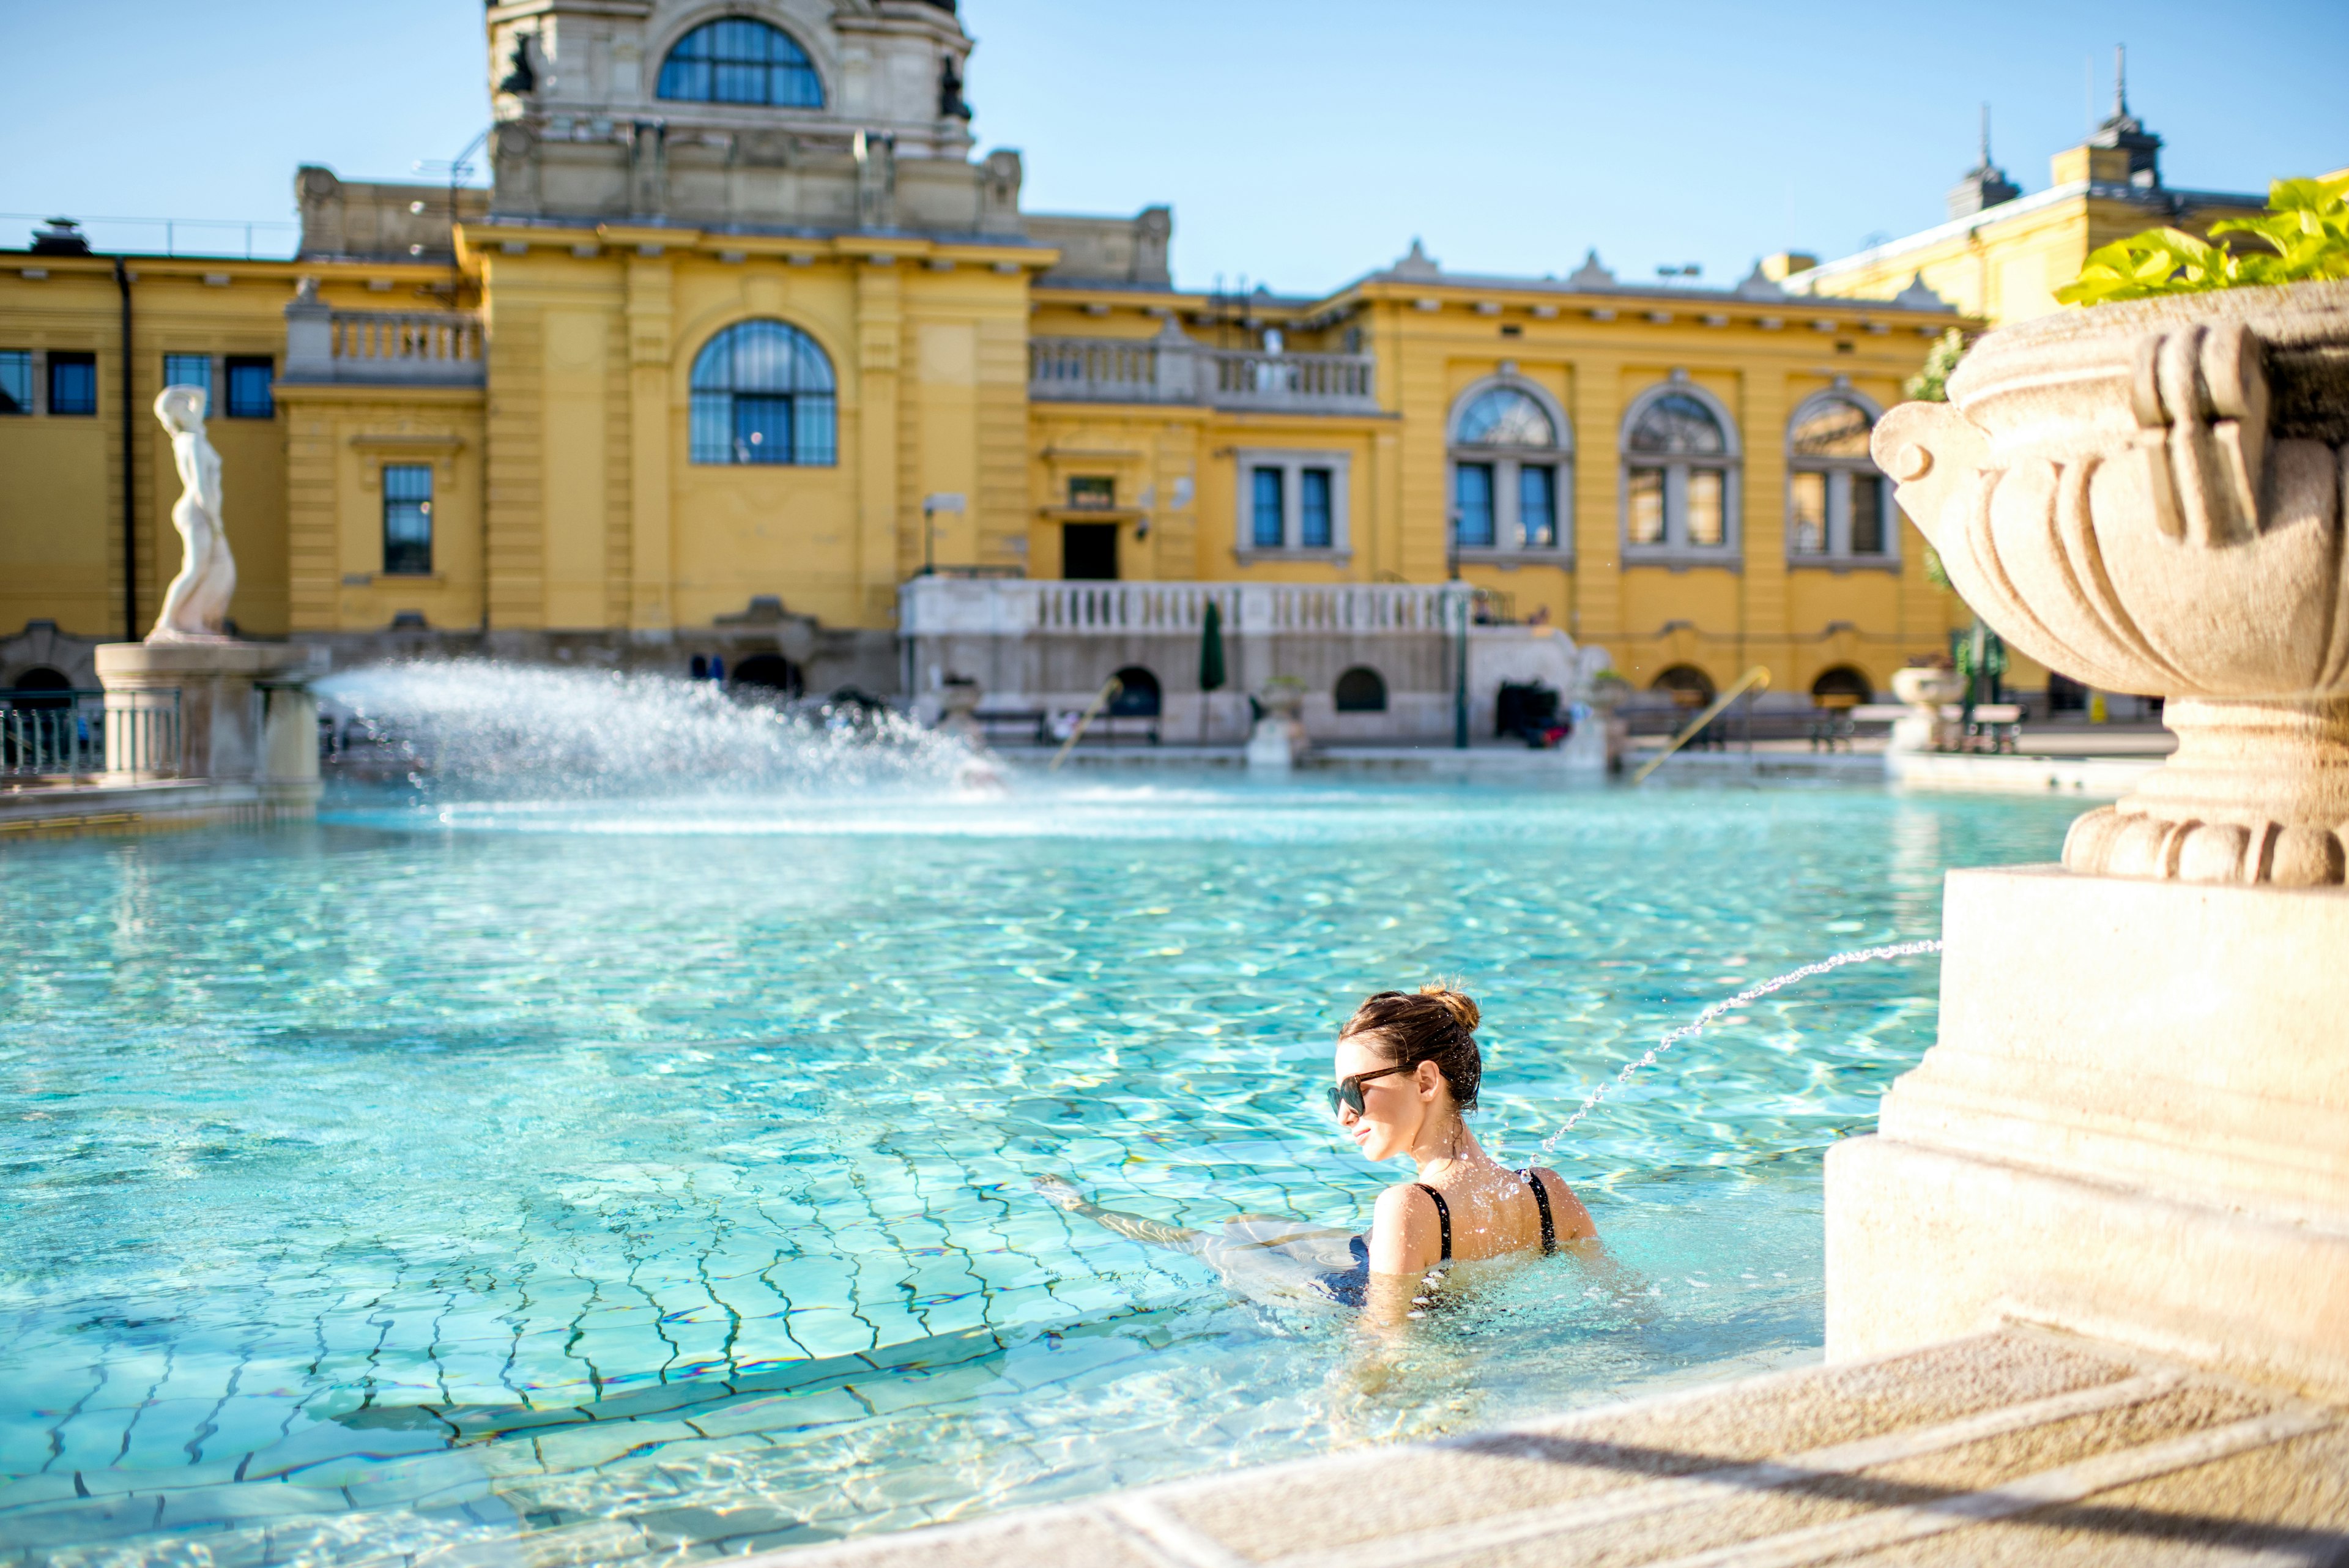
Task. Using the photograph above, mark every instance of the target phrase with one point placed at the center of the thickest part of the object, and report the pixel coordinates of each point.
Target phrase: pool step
(2017, 1445)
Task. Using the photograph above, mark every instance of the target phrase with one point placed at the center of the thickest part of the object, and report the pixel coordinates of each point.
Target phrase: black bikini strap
(1443, 1217)
(1541, 1201)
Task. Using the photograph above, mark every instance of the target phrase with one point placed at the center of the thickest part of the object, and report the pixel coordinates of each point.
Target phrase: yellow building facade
(744, 336)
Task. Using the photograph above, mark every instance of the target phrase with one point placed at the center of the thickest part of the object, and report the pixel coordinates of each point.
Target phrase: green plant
(2306, 224)
(1931, 384)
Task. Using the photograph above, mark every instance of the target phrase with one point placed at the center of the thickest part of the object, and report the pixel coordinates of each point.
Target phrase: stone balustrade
(391, 347)
(936, 606)
(1171, 368)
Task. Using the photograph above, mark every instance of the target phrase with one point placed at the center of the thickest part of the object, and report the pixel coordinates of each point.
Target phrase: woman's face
(1394, 1108)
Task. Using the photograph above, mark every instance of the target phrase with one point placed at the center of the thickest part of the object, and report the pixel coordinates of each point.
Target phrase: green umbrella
(1211, 647)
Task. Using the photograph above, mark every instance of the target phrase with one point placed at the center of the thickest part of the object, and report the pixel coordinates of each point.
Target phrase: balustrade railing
(412, 347)
(931, 606)
(52, 735)
(143, 734)
(1171, 368)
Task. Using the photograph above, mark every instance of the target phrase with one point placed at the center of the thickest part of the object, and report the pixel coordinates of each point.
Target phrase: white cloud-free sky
(1300, 142)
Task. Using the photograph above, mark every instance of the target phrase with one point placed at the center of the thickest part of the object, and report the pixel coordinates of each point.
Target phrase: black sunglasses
(1348, 1092)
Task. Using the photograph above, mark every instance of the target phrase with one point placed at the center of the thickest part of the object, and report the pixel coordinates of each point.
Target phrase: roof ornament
(2128, 133)
(1759, 285)
(1985, 184)
(1920, 296)
(1591, 274)
(1417, 262)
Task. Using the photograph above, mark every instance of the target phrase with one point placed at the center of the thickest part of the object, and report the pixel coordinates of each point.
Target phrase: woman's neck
(1441, 1151)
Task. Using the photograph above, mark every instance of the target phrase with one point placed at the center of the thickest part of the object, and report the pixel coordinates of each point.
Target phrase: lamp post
(943, 501)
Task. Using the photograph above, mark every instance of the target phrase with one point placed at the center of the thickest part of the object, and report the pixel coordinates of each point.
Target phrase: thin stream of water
(1743, 998)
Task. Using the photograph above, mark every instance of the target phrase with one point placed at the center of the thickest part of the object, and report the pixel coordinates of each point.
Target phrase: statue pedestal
(244, 714)
(2135, 1125)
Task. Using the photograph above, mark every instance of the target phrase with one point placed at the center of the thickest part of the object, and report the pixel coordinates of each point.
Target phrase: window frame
(1508, 464)
(1292, 463)
(1839, 474)
(431, 484)
(1675, 551)
(228, 406)
(707, 24)
(212, 375)
(703, 412)
(32, 384)
(58, 359)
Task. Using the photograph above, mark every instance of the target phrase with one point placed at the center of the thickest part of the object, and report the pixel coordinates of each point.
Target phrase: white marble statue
(196, 604)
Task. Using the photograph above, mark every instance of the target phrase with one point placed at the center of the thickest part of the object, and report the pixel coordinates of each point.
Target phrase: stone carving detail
(2149, 497)
(196, 604)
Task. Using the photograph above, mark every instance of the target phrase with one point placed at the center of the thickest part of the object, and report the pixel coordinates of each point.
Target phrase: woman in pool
(1407, 1071)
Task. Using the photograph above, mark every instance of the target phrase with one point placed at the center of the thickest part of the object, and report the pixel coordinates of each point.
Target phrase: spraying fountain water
(1750, 994)
(481, 729)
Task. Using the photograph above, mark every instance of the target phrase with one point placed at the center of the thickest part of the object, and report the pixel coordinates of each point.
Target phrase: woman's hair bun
(1462, 1008)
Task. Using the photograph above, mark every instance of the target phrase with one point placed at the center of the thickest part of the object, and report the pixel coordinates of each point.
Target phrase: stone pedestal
(2135, 1123)
(244, 715)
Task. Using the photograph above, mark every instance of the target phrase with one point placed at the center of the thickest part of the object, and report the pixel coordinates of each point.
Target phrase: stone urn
(1922, 688)
(1278, 743)
(2149, 497)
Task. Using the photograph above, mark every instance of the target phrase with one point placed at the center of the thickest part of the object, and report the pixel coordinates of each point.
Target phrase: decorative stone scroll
(2149, 497)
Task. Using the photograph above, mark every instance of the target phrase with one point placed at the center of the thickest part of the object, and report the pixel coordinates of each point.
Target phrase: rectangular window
(73, 383)
(1272, 530)
(190, 371)
(1807, 522)
(1092, 490)
(1867, 514)
(1647, 505)
(1313, 530)
(408, 519)
(1472, 496)
(249, 394)
(1537, 506)
(1707, 514)
(15, 381)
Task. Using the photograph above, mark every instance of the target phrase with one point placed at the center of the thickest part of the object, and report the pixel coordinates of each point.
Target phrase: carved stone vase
(2149, 497)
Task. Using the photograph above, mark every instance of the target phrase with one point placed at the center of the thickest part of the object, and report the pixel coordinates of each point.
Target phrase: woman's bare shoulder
(1572, 1218)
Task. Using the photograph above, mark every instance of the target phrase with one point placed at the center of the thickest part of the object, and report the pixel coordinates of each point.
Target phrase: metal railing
(49, 736)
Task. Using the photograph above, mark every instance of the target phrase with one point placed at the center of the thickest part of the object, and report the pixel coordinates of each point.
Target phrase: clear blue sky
(1300, 142)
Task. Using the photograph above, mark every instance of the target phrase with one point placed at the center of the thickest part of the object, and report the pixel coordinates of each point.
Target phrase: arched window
(1688, 685)
(1510, 471)
(1137, 694)
(770, 672)
(1680, 475)
(762, 392)
(740, 60)
(1838, 507)
(1362, 689)
(1844, 681)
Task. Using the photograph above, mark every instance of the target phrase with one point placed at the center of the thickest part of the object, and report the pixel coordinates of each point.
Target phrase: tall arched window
(1837, 505)
(1511, 471)
(762, 392)
(740, 60)
(1680, 475)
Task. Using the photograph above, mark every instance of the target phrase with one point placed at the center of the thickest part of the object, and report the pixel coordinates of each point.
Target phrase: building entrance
(1088, 551)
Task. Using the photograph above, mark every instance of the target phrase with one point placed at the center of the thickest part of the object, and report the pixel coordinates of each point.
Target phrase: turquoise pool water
(648, 1179)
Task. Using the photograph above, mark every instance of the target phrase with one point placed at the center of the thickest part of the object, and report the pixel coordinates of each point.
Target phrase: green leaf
(2303, 235)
